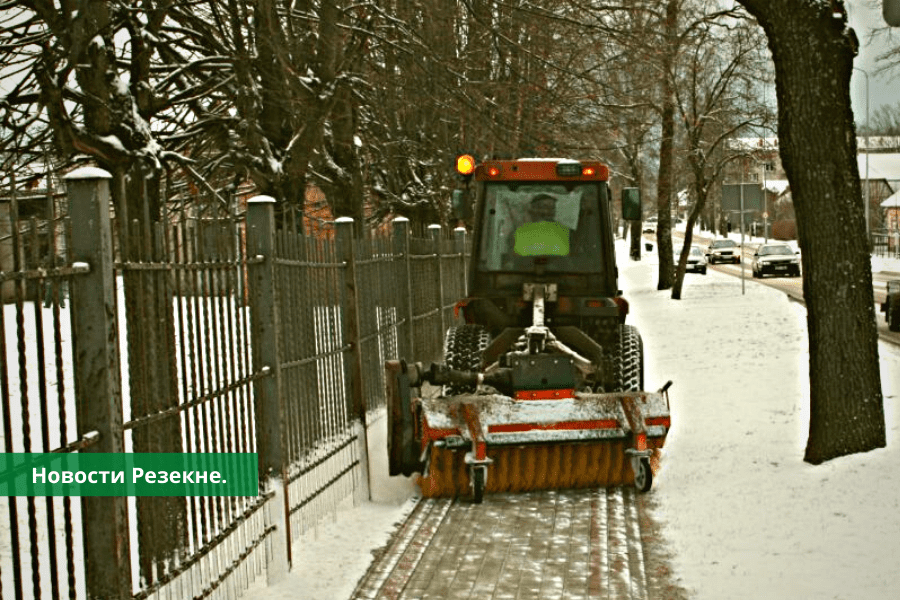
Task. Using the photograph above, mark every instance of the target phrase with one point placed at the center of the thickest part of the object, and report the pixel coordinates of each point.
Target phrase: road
(793, 286)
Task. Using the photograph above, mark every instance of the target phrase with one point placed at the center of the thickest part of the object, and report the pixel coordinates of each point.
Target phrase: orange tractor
(543, 386)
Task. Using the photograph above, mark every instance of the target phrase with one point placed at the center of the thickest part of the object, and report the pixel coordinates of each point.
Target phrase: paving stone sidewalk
(566, 545)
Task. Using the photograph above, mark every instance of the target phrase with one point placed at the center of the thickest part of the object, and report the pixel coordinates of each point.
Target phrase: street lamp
(867, 150)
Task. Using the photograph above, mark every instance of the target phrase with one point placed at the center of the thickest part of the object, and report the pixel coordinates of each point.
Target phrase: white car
(775, 259)
(696, 260)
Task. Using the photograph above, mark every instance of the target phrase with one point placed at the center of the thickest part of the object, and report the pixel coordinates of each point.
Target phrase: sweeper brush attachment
(531, 468)
(469, 444)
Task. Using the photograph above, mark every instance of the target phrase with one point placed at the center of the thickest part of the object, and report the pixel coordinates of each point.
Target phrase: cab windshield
(554, 225)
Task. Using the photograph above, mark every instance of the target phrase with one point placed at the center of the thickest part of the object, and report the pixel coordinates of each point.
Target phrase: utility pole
(741, 254)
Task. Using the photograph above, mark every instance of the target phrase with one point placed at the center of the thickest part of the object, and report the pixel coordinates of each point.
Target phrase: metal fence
(221, 334)
(886, 243)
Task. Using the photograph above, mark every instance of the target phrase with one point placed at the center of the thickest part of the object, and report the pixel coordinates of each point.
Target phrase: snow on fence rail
(218, 335)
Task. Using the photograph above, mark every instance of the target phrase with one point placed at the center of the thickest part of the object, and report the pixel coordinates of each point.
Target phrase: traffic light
(891, 11)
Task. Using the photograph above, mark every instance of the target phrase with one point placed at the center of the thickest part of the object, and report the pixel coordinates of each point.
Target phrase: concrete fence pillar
(459, 236)
(264, 329)
(353, 362)
(434, 230)
(403, 281)
(98, 393)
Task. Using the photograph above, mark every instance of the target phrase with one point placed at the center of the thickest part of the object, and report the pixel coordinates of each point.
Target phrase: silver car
(775, 259)
(724, 250)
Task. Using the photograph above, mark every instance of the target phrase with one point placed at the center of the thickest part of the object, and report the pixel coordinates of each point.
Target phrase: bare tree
(885, 120)
(653, 38)
(410, 111)
(85, 75)
(476, 76)
(716, 99)
(620, 84)
(813, 53)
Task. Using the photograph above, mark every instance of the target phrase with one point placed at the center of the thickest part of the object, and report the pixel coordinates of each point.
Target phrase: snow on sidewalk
(743, 515)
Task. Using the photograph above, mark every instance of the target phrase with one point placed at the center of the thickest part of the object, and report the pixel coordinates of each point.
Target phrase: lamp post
(867, 150)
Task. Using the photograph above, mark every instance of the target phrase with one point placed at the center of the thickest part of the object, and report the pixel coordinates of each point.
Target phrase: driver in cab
(542, 235)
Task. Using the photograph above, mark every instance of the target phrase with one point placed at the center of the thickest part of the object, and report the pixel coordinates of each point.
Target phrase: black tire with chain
(630, 378)
(629, 360)
(463, 348)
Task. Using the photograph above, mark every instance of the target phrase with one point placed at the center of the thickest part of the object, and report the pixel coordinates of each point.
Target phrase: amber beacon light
(465, 164)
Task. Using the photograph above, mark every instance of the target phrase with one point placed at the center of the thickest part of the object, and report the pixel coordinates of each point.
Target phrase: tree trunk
(635, 238)
(696, 210)
(813, 61)
(666, 157)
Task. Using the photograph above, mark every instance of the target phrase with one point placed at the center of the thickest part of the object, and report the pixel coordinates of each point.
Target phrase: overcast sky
(864, 16)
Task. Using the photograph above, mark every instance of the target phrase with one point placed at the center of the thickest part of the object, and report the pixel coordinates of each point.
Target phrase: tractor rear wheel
(463, 348)
(630, 378)
(629, 360)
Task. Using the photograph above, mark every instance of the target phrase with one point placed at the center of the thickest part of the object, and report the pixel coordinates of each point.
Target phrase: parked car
(650, 225)
(696, 260)
(775, 259)
(724, 250)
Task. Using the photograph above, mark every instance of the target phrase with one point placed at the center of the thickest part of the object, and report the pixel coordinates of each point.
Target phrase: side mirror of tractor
(631, 204)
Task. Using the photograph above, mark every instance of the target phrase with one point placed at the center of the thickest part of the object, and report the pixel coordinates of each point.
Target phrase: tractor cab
(540, 221)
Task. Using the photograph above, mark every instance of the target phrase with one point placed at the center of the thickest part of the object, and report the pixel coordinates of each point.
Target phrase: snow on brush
(743, 516)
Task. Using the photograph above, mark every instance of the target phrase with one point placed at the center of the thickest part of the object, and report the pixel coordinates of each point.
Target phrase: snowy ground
(742, 514)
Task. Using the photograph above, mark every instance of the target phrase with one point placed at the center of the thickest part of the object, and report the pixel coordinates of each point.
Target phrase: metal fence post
(264, 330)
(404, 286)
(354, 362)
(435, 231)
(459, 234)
(98, 393)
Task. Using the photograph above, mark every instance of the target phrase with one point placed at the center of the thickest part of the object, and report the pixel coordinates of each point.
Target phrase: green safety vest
(544, 238)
